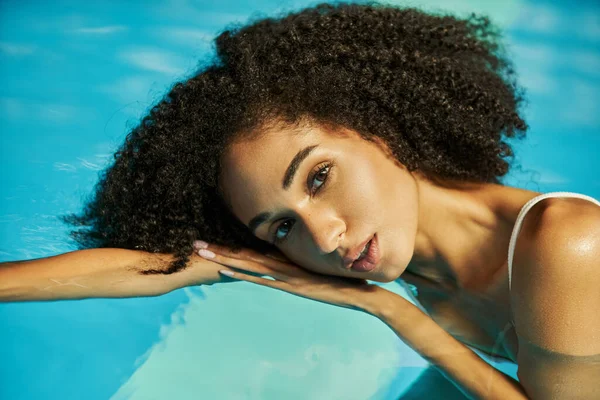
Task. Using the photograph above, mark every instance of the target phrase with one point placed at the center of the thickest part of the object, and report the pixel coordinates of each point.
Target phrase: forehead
(253, 169)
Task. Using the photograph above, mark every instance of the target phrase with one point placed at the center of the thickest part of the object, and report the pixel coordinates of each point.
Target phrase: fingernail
(200, 244)
(225, 272)
(206, 253)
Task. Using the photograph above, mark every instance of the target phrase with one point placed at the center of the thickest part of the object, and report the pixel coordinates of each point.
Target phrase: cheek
(360, 187)
(294, 255)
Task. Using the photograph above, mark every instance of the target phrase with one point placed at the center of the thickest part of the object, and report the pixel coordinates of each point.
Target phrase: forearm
(87, 273)
(476, 378)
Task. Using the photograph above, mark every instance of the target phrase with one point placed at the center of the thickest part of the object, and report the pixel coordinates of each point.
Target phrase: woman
(353, 142)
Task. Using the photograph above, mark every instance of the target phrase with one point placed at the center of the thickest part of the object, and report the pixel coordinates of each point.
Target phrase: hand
(343, 292)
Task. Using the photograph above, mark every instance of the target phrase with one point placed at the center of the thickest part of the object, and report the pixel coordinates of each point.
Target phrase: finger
(255, 279)
(277, 257)
(274, 263)
(226, 251)
(243, 264)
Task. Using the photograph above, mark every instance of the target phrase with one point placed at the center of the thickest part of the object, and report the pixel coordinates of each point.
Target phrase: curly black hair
(438, 90)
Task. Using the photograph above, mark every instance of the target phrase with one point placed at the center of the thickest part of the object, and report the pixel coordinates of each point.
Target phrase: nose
(325, 228)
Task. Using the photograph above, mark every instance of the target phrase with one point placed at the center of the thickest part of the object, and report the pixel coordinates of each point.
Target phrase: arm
(476, 378)
(556, 297)
(456, 361)
(98, 273)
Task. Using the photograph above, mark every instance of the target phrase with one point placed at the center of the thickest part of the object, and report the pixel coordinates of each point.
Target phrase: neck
(464, 231)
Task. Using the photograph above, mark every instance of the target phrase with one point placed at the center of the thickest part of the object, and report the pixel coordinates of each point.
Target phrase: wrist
(380, 302)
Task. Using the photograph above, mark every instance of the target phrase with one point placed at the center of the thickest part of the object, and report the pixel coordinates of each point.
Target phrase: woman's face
(341, 192)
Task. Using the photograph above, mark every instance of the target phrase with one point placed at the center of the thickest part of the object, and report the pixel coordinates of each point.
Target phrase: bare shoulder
(555, 297)
(556, 270)
(558, 247)
(557, 253)
(557, 235)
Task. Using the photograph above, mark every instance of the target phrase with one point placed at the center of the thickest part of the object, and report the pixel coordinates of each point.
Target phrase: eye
(284, 227)
(320, 175)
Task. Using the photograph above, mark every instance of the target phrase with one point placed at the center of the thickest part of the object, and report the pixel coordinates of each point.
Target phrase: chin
(385, 276)
(381, 280)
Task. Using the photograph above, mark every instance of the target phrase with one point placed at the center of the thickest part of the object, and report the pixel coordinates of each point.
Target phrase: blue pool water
(76, 76)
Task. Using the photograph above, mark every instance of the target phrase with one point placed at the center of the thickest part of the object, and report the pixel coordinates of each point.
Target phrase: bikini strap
(521, 217)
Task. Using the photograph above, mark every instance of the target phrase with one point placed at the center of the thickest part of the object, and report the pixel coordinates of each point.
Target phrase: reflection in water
(240, 340)
(432, 385)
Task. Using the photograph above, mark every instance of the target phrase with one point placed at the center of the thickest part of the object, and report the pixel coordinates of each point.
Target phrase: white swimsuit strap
(527, 207)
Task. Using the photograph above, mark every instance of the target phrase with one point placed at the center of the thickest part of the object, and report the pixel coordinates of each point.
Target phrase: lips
(355, 253)
(370, 261)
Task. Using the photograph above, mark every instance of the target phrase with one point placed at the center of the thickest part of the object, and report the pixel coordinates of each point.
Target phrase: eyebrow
(288, 179)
